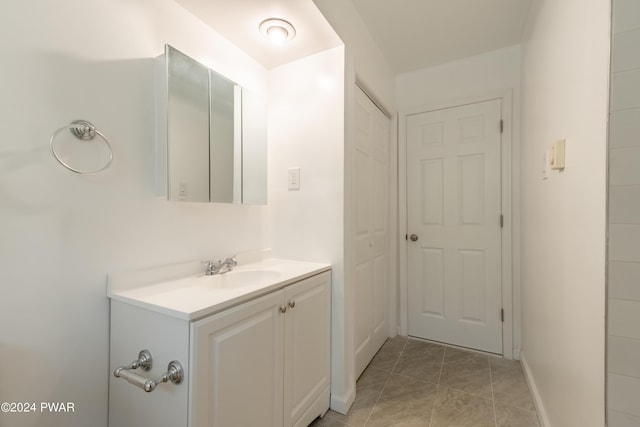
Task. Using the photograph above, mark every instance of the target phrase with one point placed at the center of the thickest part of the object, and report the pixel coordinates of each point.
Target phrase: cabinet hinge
(501, 220)
(501, 126)
(502, 314)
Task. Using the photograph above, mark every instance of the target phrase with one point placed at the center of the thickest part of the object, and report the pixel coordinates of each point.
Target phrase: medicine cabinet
(211, 134)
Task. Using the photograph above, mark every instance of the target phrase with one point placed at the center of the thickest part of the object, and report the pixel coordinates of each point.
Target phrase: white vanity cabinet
(263, 360)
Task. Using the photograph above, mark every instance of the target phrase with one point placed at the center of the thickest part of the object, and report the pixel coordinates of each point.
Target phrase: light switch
(294, 179)
(556, 157)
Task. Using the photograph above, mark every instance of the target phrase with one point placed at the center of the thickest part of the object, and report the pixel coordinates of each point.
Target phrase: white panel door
(371, 229)
(454, 211)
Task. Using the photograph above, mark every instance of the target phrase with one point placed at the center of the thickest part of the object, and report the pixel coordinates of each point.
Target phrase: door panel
(371, 229)
(231, 373)
(454, 207)
(307, 356)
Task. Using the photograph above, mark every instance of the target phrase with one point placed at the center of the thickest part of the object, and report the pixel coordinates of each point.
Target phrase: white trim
(343, 378)
(507, 163)
(537, 400)
(371, 95)
(507, 230)
(403, 328)
(342, 405)
(393, 226)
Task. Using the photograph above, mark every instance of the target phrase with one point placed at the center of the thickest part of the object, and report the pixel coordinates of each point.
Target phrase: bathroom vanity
(253, 345)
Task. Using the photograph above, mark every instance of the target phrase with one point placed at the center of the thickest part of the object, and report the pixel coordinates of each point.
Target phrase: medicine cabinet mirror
(211, 134)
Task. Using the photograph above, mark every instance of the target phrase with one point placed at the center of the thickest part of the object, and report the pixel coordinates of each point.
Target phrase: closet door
(370, 232)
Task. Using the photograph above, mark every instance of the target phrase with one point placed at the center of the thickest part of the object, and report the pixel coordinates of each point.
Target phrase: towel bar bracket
(174, 374)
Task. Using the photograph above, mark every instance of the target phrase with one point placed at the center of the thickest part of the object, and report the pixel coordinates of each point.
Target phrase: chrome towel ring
(84, 131)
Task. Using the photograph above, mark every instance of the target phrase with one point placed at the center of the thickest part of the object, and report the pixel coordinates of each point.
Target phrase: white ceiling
(238, 21)
(414, 34)
(411, 34)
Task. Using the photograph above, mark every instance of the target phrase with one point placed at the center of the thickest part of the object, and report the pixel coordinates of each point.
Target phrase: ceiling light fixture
(277, 30)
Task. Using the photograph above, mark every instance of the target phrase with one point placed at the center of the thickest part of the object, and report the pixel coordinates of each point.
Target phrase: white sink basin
(238, 279)
(190, 295)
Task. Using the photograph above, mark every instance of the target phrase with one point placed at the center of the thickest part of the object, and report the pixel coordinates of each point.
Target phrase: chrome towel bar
(175, 372)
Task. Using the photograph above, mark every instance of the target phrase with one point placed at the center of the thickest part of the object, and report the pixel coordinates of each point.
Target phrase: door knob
(414, 237)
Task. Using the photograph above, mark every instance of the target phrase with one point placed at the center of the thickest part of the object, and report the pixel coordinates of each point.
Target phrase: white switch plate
(294, 179)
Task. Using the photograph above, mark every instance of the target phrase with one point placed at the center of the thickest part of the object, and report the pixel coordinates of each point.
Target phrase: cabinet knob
(292, 303)
(283, 309)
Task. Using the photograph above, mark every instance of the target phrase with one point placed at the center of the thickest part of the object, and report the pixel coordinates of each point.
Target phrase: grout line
(444, 353)
(385, 384)
(433, 409)
(493, 398)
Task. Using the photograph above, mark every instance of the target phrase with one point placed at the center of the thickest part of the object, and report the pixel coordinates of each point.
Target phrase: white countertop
(195, 296)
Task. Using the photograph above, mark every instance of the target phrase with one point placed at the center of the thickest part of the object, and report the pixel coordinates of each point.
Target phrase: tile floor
(415, 383)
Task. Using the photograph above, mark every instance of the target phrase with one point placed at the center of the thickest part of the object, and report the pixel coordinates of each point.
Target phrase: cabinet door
(237, 366)
(307, 349)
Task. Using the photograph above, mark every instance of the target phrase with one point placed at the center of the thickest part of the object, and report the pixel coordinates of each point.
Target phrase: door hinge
(501, 126)
(502, 314)
(501, 220)
(406, 237)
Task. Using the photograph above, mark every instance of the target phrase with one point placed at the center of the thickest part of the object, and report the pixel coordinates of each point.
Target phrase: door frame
(511, 306)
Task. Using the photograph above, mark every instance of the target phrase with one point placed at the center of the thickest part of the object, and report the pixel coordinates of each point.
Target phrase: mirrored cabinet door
(225, 140)
(188, 128)
(211, 135)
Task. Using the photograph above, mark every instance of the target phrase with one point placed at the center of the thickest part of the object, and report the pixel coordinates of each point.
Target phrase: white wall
(61, 233)
(306, 130)
(475, 77)
(470, 77)
(365, 63)
(623, 354)
(565, 67)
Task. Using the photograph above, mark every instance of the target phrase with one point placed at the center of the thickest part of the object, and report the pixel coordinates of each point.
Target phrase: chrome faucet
(220, 267)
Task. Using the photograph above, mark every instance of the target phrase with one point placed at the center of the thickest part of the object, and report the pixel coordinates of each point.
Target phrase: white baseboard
(343, 404)
(516, 353)
(542, 413)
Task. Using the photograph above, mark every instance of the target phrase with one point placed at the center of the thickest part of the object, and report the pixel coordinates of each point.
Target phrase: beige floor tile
(455, 408)
(406, 416)
(466, 371)
(425, 369)
(330, 420)
(509, 384)
(417, 348)
(368, 390)
(403, 402)
(510, 416)
(388, 355)
(475, 390)
(400, 389)
(372, 375)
